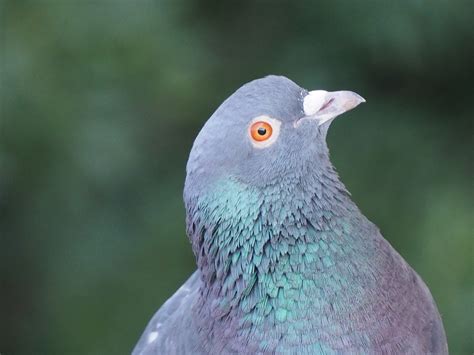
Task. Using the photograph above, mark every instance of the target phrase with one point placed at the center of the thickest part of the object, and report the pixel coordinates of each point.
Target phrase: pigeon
(286, 262)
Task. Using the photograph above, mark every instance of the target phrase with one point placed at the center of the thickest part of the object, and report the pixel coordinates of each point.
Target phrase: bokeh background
(101, 101)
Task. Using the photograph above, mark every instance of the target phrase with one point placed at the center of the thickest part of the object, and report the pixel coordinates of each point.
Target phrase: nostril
(326, 105)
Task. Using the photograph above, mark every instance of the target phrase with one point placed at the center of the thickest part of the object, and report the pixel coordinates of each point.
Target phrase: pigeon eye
(264, 131)
(261, 131)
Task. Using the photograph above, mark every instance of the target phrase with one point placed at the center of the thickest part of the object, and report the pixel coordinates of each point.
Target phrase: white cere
(314, 101)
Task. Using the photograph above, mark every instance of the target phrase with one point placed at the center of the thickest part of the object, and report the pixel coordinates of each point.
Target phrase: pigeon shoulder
(170, 324)
(433, 330)
(420, 314)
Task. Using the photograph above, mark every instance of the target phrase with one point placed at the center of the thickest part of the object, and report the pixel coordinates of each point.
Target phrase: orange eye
(261, 131)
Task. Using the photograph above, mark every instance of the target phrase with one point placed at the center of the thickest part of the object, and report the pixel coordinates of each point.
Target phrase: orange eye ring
(261, 131)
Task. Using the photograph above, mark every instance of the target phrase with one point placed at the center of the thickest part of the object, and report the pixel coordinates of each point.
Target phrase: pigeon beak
(324, 106)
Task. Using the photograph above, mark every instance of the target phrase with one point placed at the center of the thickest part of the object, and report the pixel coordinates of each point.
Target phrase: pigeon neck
(257, 249)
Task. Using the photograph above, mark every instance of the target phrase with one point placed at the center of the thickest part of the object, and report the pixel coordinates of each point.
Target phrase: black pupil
(262, 131)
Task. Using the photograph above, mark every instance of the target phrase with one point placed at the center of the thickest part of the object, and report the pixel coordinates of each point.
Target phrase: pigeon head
(260, 157)
(268, 129)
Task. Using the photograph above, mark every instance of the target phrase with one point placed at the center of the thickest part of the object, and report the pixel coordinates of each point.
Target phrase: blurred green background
(101, 101)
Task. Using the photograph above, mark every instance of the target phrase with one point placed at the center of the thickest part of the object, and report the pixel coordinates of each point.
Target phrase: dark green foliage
(100, 102)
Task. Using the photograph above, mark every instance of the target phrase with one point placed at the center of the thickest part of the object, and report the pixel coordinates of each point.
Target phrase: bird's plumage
(286, 261)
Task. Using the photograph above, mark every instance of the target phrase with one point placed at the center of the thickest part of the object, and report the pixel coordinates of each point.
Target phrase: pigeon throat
(274, 255)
